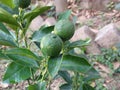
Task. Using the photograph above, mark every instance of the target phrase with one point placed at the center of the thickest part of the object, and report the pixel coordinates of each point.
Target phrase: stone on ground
(84, 33)
(36, 23)
(108, 36)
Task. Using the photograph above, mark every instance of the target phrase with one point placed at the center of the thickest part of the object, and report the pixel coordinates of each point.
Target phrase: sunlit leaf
(8, 3)
(7, 8)
(38, 86)
(54, 65)
(23, 57)
(75, 63)
(3, 28)
(16, 73)
(7, 18)
(86, 87)
(38, 35)
(6, 39)
(66, 76)
(66, 87)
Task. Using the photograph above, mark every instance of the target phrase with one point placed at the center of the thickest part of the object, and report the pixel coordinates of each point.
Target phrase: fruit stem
(45, 68)
(17, 37)
(28, 82)
(33, 77)
(75, 80)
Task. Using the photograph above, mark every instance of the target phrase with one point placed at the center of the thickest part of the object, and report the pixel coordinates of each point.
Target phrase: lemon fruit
(51, 45)
(64, 29)
(22, 3)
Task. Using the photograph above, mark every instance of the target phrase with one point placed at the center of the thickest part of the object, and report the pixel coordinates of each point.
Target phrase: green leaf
(35, 12)
(66, 87)
(38, 35)
(75, 63)
(66, 76)
(3, 56)
(16, 73)
(8, 3)
(79, 43)
(86, 87)
(7, 18)
(117, 70)
(6, 39)
(91, 75)
(64, 15)
(3, 28)
(54, 65)
(38, 86)
(13, 27)
(80, 64)
(7, 8)
(23, 57)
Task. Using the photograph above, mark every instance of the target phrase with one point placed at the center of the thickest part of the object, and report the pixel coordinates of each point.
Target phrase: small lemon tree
(55, 55)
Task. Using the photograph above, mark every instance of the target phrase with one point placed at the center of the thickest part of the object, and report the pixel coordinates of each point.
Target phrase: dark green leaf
(64, 15)
(3, 56)
(117, 70)
(35, 12)
(91, 75)
(3, 28)
(6, 39)
(66, 87)
(8, 3)
(16, 73)
(38, 35)
(23, 57)
(66, 76)
(75, 63)
(86, 87)
(39, 86)
(79, 43)
(54, 65)
(7, 18)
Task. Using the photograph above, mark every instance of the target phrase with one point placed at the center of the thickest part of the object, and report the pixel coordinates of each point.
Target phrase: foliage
(35, 67)
(117, 7)
(99, 84)
(108, 56)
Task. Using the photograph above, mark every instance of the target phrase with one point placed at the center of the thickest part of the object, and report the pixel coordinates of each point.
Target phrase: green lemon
(22, 3)
(64, 29)
(51, 45)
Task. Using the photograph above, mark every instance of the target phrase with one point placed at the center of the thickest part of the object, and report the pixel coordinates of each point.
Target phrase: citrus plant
(55, 55)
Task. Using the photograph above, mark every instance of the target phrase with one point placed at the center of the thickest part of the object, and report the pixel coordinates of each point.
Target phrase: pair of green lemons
(52, 43)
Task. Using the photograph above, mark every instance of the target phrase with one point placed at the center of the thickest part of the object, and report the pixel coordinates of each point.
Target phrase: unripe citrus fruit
(51, 45)
(64, 29)
(22, 3)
